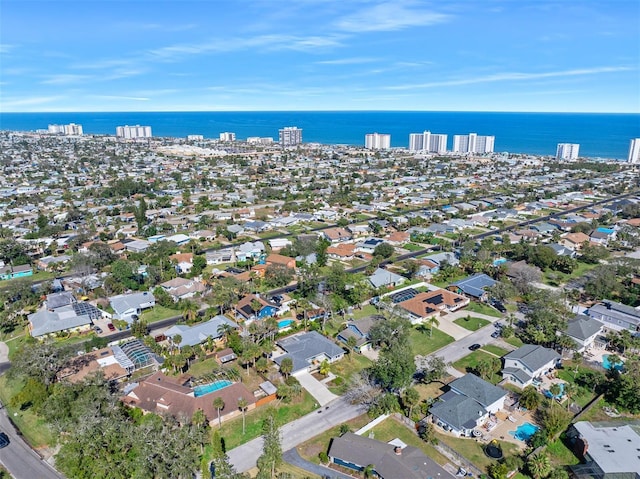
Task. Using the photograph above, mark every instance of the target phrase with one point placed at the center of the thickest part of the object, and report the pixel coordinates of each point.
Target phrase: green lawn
(425, 342)
(202, 367)
(285, 413)
(391, 428)
(561, 455)
(346, 368)
(36, 276)
(412, 247)
(311, 448)
(514, 341)
(470, 361)
(472, 450)
(483, 309)
(555, 278)
(158, 313)
(492, 348)
(367, 310)
(32, 427)
(471, 323)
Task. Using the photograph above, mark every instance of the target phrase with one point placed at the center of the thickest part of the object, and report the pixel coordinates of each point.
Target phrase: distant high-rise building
(195, 137)
(427, 141)
(473, 143)
(70, 129)
(130, 132)
(377, 141)
(567, 151)
(290, 136)
(634, 151)
(227, 136)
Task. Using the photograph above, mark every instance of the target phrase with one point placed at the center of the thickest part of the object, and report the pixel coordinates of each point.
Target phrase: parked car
(111, 327)
(473, 347)
(97, 329)
(498, 305)
(495, 334)
(4, 440)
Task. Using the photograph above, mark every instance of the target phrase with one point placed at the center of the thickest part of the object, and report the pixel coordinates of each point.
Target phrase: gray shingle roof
(476, 388)
(46, 322)
(475, 285)
(583, 327)
(303, 348)
(193, 335)
(123, 302)
(458, 410)
(518, 373)
(533, 356)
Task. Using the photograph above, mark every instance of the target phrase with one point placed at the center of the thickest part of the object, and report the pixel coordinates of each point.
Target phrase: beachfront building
(427, 141)
(473, 143)
(227, 136)
(634, 151)
(377, 141)
(290, 136)
(567, 151)
(70, 129)
(131, 132)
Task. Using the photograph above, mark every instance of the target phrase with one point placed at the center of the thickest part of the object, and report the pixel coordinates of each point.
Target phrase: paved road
(19, 459)
(294, 433)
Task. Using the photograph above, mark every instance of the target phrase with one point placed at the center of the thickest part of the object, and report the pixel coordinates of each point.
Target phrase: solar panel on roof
(90, 310)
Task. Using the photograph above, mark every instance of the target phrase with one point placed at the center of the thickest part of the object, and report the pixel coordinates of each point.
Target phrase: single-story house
(382, 278)
(467, 405)
(280, 260)
(574, 241)
(473, 286)
(341, 251)
(308, 351)
(183, 288)
(337, 235)
(61, 312)
(369, 245)
(359, 330)
(183, 262)
(390, 460)
(199, 333)
(244, 309)
(125, 306)
(49, 263)
(137, 245)
(179, 239)
(432, 303)
(528, 362)
(583, 330)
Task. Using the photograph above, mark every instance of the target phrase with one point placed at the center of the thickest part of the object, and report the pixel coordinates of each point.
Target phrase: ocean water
(600, 135)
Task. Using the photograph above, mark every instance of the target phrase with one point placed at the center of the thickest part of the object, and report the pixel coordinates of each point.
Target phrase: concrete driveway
(318, 390)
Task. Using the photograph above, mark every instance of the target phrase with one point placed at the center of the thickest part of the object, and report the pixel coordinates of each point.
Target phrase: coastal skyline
(357, 55)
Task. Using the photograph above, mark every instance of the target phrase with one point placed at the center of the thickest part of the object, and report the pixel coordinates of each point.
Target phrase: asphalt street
(294, 433)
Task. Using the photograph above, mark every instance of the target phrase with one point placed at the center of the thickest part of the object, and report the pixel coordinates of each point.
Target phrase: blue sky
(482, 55)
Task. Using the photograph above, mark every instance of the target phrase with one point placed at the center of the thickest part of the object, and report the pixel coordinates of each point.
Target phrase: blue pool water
(284, 323)
(548, 394)
(209, 388)
(607, 365)
(524, 431)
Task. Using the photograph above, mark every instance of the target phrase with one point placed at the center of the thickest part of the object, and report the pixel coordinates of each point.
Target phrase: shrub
(324, 457)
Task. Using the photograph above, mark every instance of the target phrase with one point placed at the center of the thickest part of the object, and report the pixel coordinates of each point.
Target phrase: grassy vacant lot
(310, 449)
(492, 348)
(561, 455)
(158, 313)
(232, 430)
(470, 361)
(517, 342)
(346, 368)
(32, 427)
(471, 323)
(412, 247)
(36, 276)
(555, 278)
(424, 342)
(483, 309)
(391, 429)
(431, 390)
(368, 310)
(472, 450)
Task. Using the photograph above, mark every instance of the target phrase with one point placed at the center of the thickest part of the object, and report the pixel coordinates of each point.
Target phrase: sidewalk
(319, 391)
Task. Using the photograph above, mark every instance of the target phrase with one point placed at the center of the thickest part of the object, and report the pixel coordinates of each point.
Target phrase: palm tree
(256, 306)
(218, 403)
(569, 392)
(325, 368)
(224, 330)
(410, 397)
(539, 465)
(190, 311)
(368, 471)
(286, 366)
(577, 359)
(432, 321)
(351, 344)
(176, 340)
(555, 389)
(242, 405)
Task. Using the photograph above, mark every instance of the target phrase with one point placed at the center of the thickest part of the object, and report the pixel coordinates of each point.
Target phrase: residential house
(561, 250)
(244, 309)
(280, 260)
(126, 306)
(278, 243)
(427, 268)
(607, 451)
(179, 239)
(183, 288)
(528, 362)
(308, 351)
(359, 330)
(444, 257)
(199, 333)
(398, 238)
(137, 245)
(341, 251)
(468, 404)
(382, 278)
(602, 236)
(616, 316)
(473, 286)
(11, 272)
(220, 256)
(337, 235)
(250, 250)
(390, 460)
(583, 330)
(50, 263)
(432, 303)
(162, 395)
(359, 230)
(62, 313)
(183, 262)
(257, 226)
(369, 245)
(574, 241)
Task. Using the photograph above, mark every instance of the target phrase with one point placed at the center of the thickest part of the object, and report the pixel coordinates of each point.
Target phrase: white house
(528, 362)
(584, 331)
(125, 306)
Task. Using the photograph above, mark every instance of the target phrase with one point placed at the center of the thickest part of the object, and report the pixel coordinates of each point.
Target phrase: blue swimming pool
(607, 364)
(209, 388)
(524, 431)
(284, 323)
(548, 394)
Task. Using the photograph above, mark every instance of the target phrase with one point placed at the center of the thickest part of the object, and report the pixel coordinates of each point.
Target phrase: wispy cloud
(64, 79)
(6, 48)
(156, 26)
(11, 103)
(390, 16)
(513, 76)
(348, 61)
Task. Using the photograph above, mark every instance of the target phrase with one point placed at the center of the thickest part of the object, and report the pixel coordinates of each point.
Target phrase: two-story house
(528, 362)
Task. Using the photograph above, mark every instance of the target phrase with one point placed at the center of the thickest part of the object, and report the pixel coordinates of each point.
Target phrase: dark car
(495, 334)
(111, 327)
(499, 306)
(473, 347)
(4, 440)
